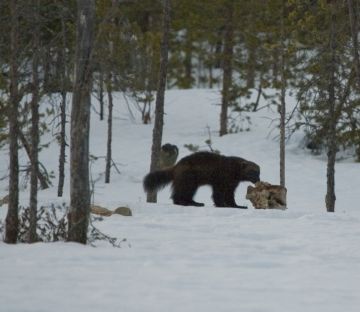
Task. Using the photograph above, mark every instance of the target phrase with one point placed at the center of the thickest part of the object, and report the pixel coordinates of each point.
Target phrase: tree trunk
(210, 68)
(331, 139)
(353, 16)
(62, 156)
(160, 97)
(80, 124)
(354, 26)
(251, 67)
(101, 92)
(188, 61)
(282, 99)
(109, 136)
(282, 135)
(227, 67)
(34, 128)
(12, 218)
(275, 66)
(46, 70)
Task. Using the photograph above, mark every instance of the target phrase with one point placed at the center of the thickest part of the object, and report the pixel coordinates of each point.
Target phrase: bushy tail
(156, 180)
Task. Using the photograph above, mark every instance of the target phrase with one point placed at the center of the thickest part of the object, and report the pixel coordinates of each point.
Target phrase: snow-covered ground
(189, 258)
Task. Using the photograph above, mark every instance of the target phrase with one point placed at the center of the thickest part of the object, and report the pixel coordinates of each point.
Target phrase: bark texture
(353, 16)
(227, 66)
(80, 125)
(12, 219)
(62, 136)
(101, 93)
(34, 127)
(282, 99)
(331, 139)
(160, 97)
(109, 136)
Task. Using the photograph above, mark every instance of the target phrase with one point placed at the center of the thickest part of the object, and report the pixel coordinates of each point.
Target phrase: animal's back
(202, 166)
(199, 158)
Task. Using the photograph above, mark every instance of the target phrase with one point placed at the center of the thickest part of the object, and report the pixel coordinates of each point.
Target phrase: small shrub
(52, 226)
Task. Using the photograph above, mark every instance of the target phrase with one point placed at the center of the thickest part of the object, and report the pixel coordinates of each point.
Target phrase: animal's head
(250, 172)
(168, 155)
(169, 149)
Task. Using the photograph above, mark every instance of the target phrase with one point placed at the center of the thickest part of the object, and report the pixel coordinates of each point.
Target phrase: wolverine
(222, 173)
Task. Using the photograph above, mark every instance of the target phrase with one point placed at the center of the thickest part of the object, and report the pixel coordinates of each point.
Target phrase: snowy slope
(196, 259)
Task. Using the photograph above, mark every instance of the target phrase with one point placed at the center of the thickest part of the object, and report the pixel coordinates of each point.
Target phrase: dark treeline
(309, 48)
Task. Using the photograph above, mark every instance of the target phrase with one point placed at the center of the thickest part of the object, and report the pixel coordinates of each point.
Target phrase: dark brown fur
(204, 168)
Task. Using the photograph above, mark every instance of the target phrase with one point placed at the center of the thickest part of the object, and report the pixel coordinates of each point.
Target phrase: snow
(189, 258)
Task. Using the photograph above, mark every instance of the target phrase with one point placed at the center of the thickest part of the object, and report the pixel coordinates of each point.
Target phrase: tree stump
(267, 196)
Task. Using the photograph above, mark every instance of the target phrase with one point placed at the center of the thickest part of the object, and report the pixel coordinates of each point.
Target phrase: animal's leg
(219, 196)
(184, 189)
(230, 198)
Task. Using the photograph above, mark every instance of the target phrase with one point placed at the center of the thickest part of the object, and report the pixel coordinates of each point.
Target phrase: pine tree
(326, 107)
